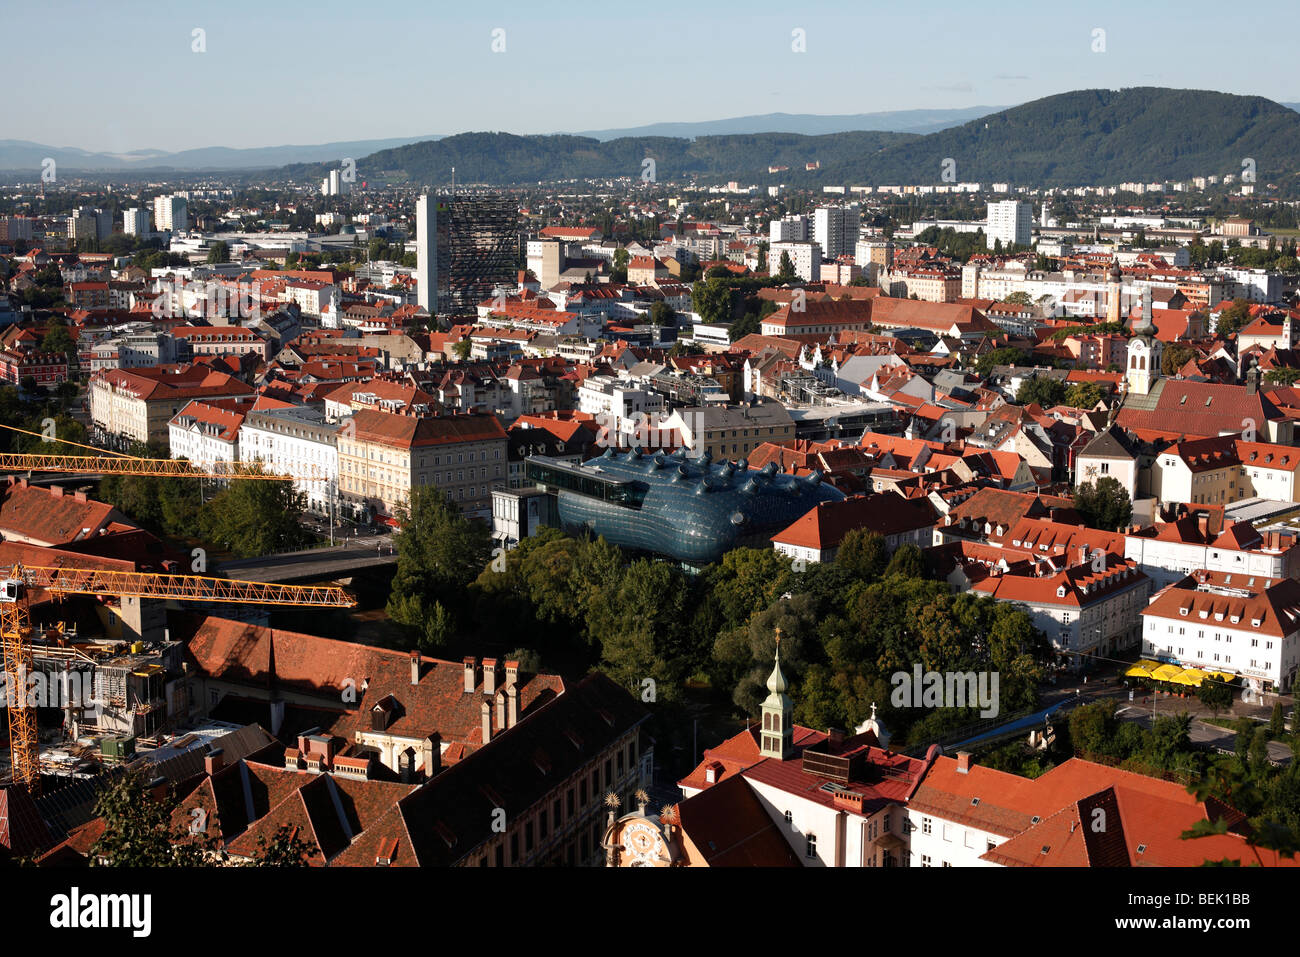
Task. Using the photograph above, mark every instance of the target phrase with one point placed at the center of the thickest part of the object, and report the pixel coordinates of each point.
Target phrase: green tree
(711, 300)
(284, 849)
(785, 268)
(57, 339)
(1092, 727)
(661, 314)
(439, 553)
(1104, 505)
(640, 631)
(745, 581)
(618, 273)
(1019, 299)
(1002, 356)
(1084, 395)
(1044, 391)
(1175, 356)
(908, 561)
(255, 517)
(1232, 318)
(1215, 695)
(219, 252)
(863, 554)
(139, 830)
(462, 349)
(1277, 722)
(1282, 376)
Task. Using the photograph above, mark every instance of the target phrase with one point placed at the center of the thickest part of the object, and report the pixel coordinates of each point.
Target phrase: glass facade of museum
(688, 509)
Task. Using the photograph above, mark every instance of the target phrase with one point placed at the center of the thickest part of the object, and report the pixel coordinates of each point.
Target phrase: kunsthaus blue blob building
(687, 508)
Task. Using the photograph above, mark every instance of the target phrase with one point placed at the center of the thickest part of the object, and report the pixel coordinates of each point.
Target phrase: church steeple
(777, 736)
(1144, 351)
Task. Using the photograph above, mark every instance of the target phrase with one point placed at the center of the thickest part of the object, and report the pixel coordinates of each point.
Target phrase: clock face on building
(643, 845)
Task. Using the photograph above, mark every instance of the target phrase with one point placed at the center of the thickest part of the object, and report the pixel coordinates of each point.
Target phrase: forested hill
(1085, 137)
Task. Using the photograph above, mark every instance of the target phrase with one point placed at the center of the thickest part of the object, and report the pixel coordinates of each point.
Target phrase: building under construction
(475, 252)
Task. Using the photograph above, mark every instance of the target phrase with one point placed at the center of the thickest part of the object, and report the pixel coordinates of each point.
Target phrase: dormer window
(1060, 592)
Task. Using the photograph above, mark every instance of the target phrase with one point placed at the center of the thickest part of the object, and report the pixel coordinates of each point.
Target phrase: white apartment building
(1223, 470)
(617, 404)
(137, 348)
(1170, 551)
(334, 185)
(1257, 285)
(299, 442)
(135, 222)
(171, 212)
(313, 297)
(789, 229)
(1231, 623)
(935, 840)
(1010, 221)
(806, 258)
(1083, 609)
(835, 229)
(207, 434)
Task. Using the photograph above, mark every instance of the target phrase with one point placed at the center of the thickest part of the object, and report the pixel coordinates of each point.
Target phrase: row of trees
(1247, 779)
(246, 518)
(847, 625)
(1049, 392)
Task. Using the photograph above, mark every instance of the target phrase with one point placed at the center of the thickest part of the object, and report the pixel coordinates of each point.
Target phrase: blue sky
(121, 75)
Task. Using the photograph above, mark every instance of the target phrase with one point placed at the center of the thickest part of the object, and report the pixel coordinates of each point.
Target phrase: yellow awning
(1166, 672)
(1141, 669)
(1221, 676)
(1192, 676)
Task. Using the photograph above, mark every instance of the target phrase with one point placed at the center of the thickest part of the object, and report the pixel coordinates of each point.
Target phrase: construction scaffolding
(478, 239)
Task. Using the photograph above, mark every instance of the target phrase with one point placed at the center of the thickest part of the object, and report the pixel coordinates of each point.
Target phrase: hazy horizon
(257, 82)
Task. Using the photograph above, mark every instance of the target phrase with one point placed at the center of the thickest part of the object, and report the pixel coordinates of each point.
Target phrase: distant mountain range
(1084, 137)
(23, 155)
(809, 124)
(1088, 136)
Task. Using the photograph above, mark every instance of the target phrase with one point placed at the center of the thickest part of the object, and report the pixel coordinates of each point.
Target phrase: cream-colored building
(137, 406)
(1223, 470)
(383, 455)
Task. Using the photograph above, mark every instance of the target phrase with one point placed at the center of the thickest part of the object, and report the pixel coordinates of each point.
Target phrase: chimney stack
(490, 676)
(214, 761)
(501, 709)
(487, 722)
(963, 762)
(512, 705)
(512, 673)
(471, 674)
(415, 667)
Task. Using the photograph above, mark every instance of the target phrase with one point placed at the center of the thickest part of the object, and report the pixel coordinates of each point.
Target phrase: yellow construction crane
(104, 462)
(17, 581)
(162, 468)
